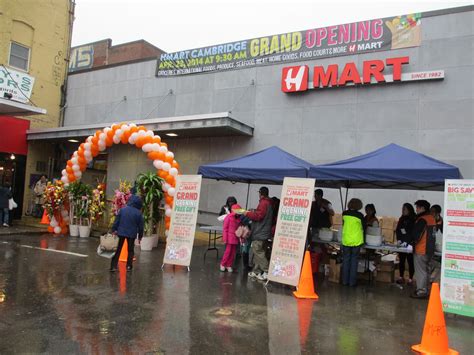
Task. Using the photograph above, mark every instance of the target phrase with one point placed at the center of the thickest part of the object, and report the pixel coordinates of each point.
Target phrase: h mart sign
(295, 78)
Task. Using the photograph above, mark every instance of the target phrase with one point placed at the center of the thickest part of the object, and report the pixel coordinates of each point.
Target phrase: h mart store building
(324, 95)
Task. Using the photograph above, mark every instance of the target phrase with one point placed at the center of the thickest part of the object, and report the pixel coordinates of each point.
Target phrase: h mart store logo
(295, 78)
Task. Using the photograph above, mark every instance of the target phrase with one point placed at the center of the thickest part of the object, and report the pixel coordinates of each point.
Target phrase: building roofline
(113, 65)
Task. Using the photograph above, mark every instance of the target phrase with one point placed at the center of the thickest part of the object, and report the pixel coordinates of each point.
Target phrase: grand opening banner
(457, 277)
(180, 241)
(349, 39)
(291, 230)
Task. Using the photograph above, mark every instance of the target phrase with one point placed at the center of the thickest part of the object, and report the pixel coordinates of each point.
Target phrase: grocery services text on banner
(331, 41)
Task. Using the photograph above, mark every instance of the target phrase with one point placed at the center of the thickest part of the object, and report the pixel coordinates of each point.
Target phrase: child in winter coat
(231, 223)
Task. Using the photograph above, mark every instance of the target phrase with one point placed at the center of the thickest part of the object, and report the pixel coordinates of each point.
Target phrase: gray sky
(177, 25)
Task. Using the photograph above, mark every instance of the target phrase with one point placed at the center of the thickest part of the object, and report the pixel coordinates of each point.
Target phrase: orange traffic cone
(124, 253)
(435, 336)
(123, 279)
(305, 287)
(45, 219)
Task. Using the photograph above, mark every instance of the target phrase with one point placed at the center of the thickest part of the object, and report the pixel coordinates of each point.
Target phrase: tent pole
(248, 193)
(342, 201)
(345, 203)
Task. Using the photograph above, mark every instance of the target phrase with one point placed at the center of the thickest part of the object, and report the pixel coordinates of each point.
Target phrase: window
(19, 56)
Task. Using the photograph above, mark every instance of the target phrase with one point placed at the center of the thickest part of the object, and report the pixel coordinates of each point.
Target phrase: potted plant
(80, 197)
(150, 188)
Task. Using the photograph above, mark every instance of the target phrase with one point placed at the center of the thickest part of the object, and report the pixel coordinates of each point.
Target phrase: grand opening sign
(296, 78)
(347, 39)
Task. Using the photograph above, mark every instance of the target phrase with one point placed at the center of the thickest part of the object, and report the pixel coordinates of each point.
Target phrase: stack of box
(385, 272)
(334, 271)
(388, 224)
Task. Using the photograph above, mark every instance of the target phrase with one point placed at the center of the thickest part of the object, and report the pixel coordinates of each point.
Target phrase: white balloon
(119, 133)
(167, 186)
(155, 147)
(88, 159)
(75, 154)
(170, 154)
(163, 149)
(147, 147)
(149, 133)
(132, 125)
(173, 172)
(64, 172)
(89, 139)
(168, 213)
(78, 174)
(167, 233)
(141, 133)
(87, 146)
(102, 147)
(57, 230)
(158, 164)
(167, 207)
(107, 129)
(171, 191)
(65, 179)
(87, 154)
(116, 139)
(102, 136)
(53, 222)
(125, 128)
(166, 166)
(74, 160)
(76, 167)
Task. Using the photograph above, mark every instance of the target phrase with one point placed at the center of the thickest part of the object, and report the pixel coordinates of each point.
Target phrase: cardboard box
(386, 266)
(334, 271)
(385, 276)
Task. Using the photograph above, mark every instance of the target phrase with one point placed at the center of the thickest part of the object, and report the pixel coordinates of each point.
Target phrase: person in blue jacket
(128, 226)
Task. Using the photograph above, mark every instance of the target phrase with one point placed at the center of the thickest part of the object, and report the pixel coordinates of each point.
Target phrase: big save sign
(296, 78)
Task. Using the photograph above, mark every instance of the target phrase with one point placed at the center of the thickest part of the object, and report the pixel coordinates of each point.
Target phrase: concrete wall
(434, 118)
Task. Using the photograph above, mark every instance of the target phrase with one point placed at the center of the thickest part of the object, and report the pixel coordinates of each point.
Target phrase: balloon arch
(142, 138)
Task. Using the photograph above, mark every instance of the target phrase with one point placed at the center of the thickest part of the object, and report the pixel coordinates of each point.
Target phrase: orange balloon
(141, 128)
(161, 156)
(175, 164)
(64, 230)
(156, 140)
(69, 170)
(168, 159)
(81, 160)
(71, 177)
(153, 155)
(148, 139)
(83, 166)
(50, 229)
(167, 219)
(163, 144)
(167, 225)
(133, 130)
(97, 133)
(170, 179)
(140, 142)
(163, 174)
(95, 141)
(169, 200)
(110, 134)
(69, 163)
(125, 137)
(115, 127)
(109, 141)
(94, 152)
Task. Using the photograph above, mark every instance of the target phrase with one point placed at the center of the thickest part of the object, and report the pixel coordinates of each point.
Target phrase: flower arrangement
(80, 196)
(97, 203)
(121, 196)
(55, 197)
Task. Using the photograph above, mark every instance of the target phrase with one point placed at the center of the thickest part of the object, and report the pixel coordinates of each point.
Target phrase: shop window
(41, 166)
(19, 56)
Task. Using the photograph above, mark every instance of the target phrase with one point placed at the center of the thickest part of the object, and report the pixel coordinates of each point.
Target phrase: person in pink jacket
(231, 223)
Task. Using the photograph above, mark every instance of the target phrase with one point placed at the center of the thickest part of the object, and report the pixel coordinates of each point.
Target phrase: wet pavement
(66, 302)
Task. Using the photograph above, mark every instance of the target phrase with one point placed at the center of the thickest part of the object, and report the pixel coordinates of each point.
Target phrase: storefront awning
(14, 108)
(205, 125)
(13, 135)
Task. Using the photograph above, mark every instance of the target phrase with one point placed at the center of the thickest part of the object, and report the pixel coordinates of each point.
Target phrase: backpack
(430, 240)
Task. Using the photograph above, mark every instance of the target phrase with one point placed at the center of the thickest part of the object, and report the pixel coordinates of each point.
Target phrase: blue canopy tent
(390, 167)
(269, 166)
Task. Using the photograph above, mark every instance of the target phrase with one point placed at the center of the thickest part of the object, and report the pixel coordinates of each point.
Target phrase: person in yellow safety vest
(353, 235)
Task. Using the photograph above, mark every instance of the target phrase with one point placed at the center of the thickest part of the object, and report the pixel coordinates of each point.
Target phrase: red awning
(13, 135)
